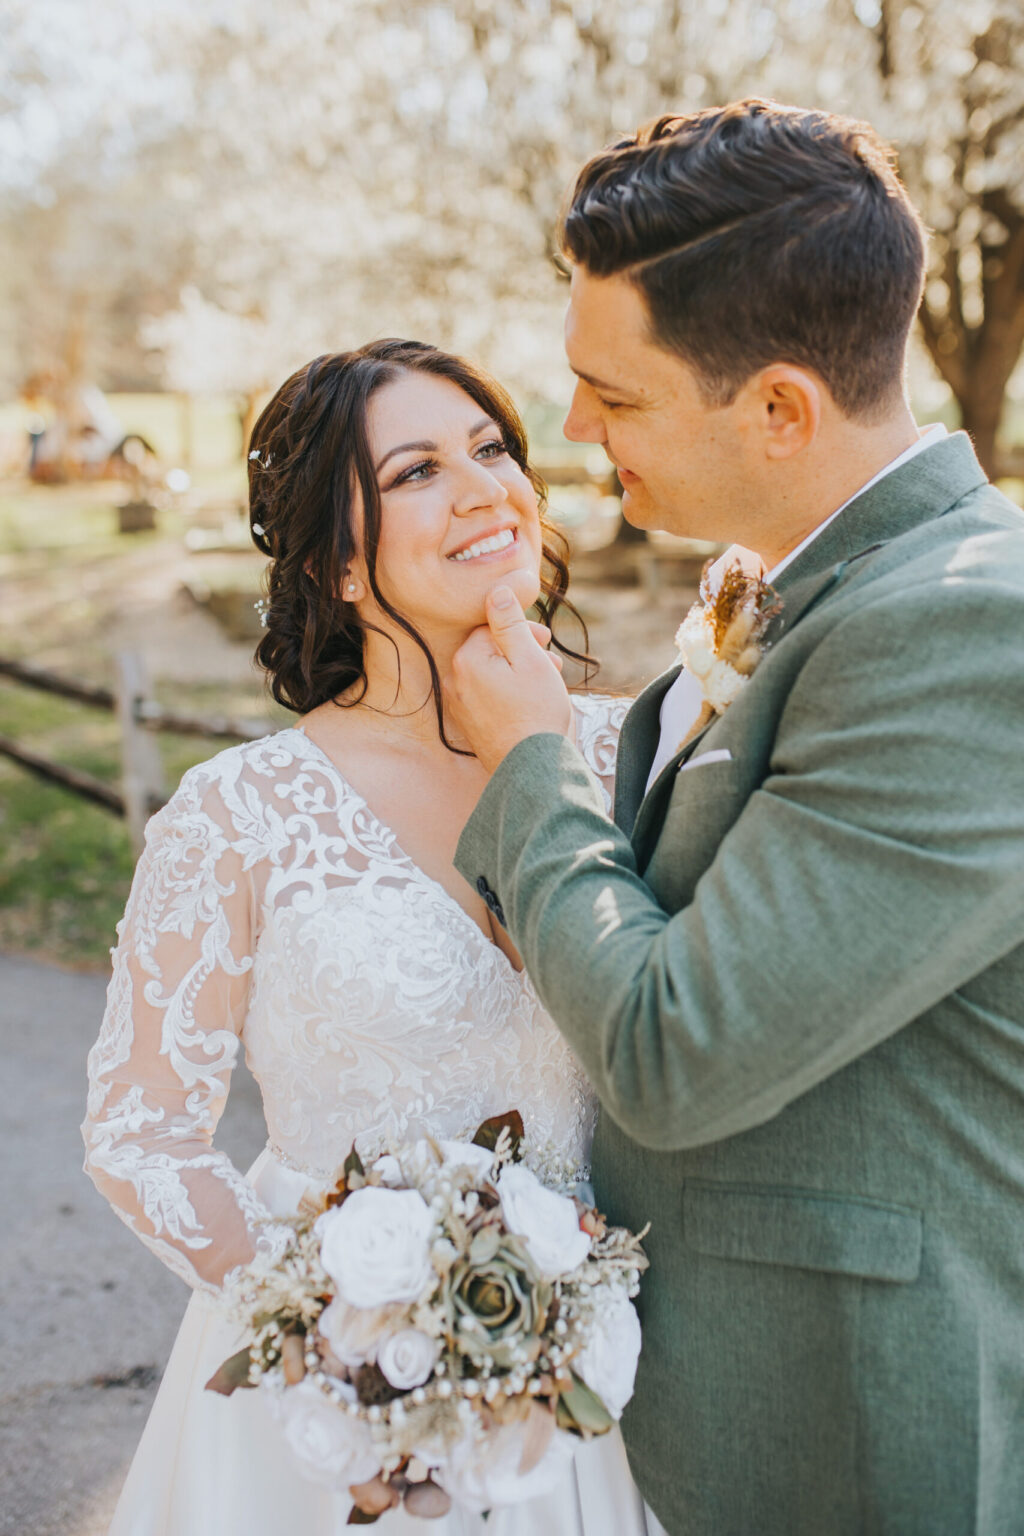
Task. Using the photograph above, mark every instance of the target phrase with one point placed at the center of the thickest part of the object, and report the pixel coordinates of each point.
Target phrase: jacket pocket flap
(841, 1234)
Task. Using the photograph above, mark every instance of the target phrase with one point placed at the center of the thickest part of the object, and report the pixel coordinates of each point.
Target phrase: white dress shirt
(682, 702)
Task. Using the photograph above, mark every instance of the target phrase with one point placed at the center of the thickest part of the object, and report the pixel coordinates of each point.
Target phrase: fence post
(142, 776)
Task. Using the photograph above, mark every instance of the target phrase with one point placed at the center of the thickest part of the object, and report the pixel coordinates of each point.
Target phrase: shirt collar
(929, 435)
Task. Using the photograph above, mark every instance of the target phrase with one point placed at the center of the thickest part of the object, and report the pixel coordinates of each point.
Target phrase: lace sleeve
(599, 720)
(159, 1072)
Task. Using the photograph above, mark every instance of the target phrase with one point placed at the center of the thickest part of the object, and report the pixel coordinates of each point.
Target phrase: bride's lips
(508, 546)
(626, 476)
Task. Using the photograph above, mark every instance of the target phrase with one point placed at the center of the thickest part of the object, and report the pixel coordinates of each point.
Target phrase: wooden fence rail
(142, 788)
(81, 784)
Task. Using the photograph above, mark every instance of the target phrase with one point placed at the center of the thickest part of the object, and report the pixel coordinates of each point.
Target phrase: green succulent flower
(498, 1303)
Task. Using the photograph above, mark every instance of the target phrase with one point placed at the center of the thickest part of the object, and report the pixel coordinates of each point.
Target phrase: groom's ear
(784, 405)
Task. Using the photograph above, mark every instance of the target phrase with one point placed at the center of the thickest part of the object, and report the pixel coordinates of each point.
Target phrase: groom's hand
(504, 686)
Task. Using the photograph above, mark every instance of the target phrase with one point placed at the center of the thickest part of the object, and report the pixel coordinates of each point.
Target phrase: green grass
(65, 869)
(66, 865)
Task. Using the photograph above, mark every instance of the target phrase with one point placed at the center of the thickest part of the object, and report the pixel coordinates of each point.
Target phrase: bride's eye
(494, 448)
(415, 472)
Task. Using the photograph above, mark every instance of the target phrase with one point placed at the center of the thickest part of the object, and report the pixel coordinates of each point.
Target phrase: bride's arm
(159, 1072)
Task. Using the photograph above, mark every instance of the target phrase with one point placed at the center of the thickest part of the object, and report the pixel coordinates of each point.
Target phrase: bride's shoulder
(228, 787)
(265, 757)
(599, 718)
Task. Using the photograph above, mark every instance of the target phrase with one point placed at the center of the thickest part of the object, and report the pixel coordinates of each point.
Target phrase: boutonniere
(721, 638)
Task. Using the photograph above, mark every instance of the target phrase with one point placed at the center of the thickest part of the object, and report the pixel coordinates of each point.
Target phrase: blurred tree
(951, 78)
(277, 182)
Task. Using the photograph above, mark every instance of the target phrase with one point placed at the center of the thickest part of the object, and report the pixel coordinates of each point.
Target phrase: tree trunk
(980, 413)
(977, 361)
(248, 415)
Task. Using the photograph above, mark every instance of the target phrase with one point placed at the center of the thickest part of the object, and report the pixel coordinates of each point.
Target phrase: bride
(297, 897)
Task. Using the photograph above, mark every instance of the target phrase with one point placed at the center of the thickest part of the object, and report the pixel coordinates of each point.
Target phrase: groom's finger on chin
(509, 626)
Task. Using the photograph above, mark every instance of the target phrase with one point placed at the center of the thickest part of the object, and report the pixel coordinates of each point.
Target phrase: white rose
(389, 1169)
(354, 1333)
(608, 1361)
(465, 1154)
(482, 1472)
(376, 1246)
(547, 1222)
(407, 1358)
(333, 1448)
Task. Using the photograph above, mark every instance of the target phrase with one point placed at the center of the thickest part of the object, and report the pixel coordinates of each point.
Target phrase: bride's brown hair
(309, 456)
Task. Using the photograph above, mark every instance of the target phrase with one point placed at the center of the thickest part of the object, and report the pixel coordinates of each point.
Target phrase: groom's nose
(583, 423)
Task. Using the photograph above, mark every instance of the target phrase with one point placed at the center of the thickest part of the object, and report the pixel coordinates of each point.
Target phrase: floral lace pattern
(272, 909)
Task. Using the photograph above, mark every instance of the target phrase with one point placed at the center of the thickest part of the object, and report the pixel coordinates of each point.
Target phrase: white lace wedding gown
(271, 908)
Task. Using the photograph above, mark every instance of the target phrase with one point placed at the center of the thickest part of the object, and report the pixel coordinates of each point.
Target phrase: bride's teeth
(486, 546)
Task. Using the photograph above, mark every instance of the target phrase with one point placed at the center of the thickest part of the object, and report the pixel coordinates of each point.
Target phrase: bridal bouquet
(442, 1328)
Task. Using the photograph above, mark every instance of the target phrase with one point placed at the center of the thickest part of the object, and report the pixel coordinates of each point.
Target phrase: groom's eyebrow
(604, 384)
(429, 447)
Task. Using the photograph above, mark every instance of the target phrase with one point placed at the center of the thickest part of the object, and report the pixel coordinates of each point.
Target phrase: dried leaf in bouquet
(488, 1134)
(232, 1375)
(582, 1409)
(540, 1426)
(739, 613)
(293, 1358)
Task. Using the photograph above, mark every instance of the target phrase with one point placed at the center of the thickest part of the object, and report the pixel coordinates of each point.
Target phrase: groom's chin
(638, 509)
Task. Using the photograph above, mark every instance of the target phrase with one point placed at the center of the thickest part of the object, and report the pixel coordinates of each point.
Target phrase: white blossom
(407, 1358)
(608, 1360)
(376, 1246)
(482, 1472)
(333, 1447)
(546, 1221)
(354, 1333)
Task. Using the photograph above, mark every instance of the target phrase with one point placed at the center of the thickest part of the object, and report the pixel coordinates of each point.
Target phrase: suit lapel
(638, 742)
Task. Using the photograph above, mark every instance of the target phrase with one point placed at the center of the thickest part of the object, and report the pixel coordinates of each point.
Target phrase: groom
(794, 967)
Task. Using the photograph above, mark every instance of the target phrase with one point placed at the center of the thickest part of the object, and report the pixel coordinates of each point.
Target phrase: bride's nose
(476, 487)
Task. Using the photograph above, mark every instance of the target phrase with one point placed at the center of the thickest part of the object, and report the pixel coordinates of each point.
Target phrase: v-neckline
(517, 971)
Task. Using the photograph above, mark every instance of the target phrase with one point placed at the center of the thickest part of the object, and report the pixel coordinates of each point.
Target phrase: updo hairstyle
(308, 456)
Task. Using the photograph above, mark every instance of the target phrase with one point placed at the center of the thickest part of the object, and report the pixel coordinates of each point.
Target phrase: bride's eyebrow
(428, 447)
(406, 448)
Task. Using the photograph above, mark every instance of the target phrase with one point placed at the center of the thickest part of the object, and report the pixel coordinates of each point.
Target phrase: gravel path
(88, 1314)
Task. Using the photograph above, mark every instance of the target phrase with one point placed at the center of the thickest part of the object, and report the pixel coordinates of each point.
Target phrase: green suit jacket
(794, 972)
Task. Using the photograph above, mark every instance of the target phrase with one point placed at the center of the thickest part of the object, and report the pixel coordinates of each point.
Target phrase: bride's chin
(525, 584)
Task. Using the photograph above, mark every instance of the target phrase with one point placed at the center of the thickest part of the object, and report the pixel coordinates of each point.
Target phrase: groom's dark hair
(757, 234)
